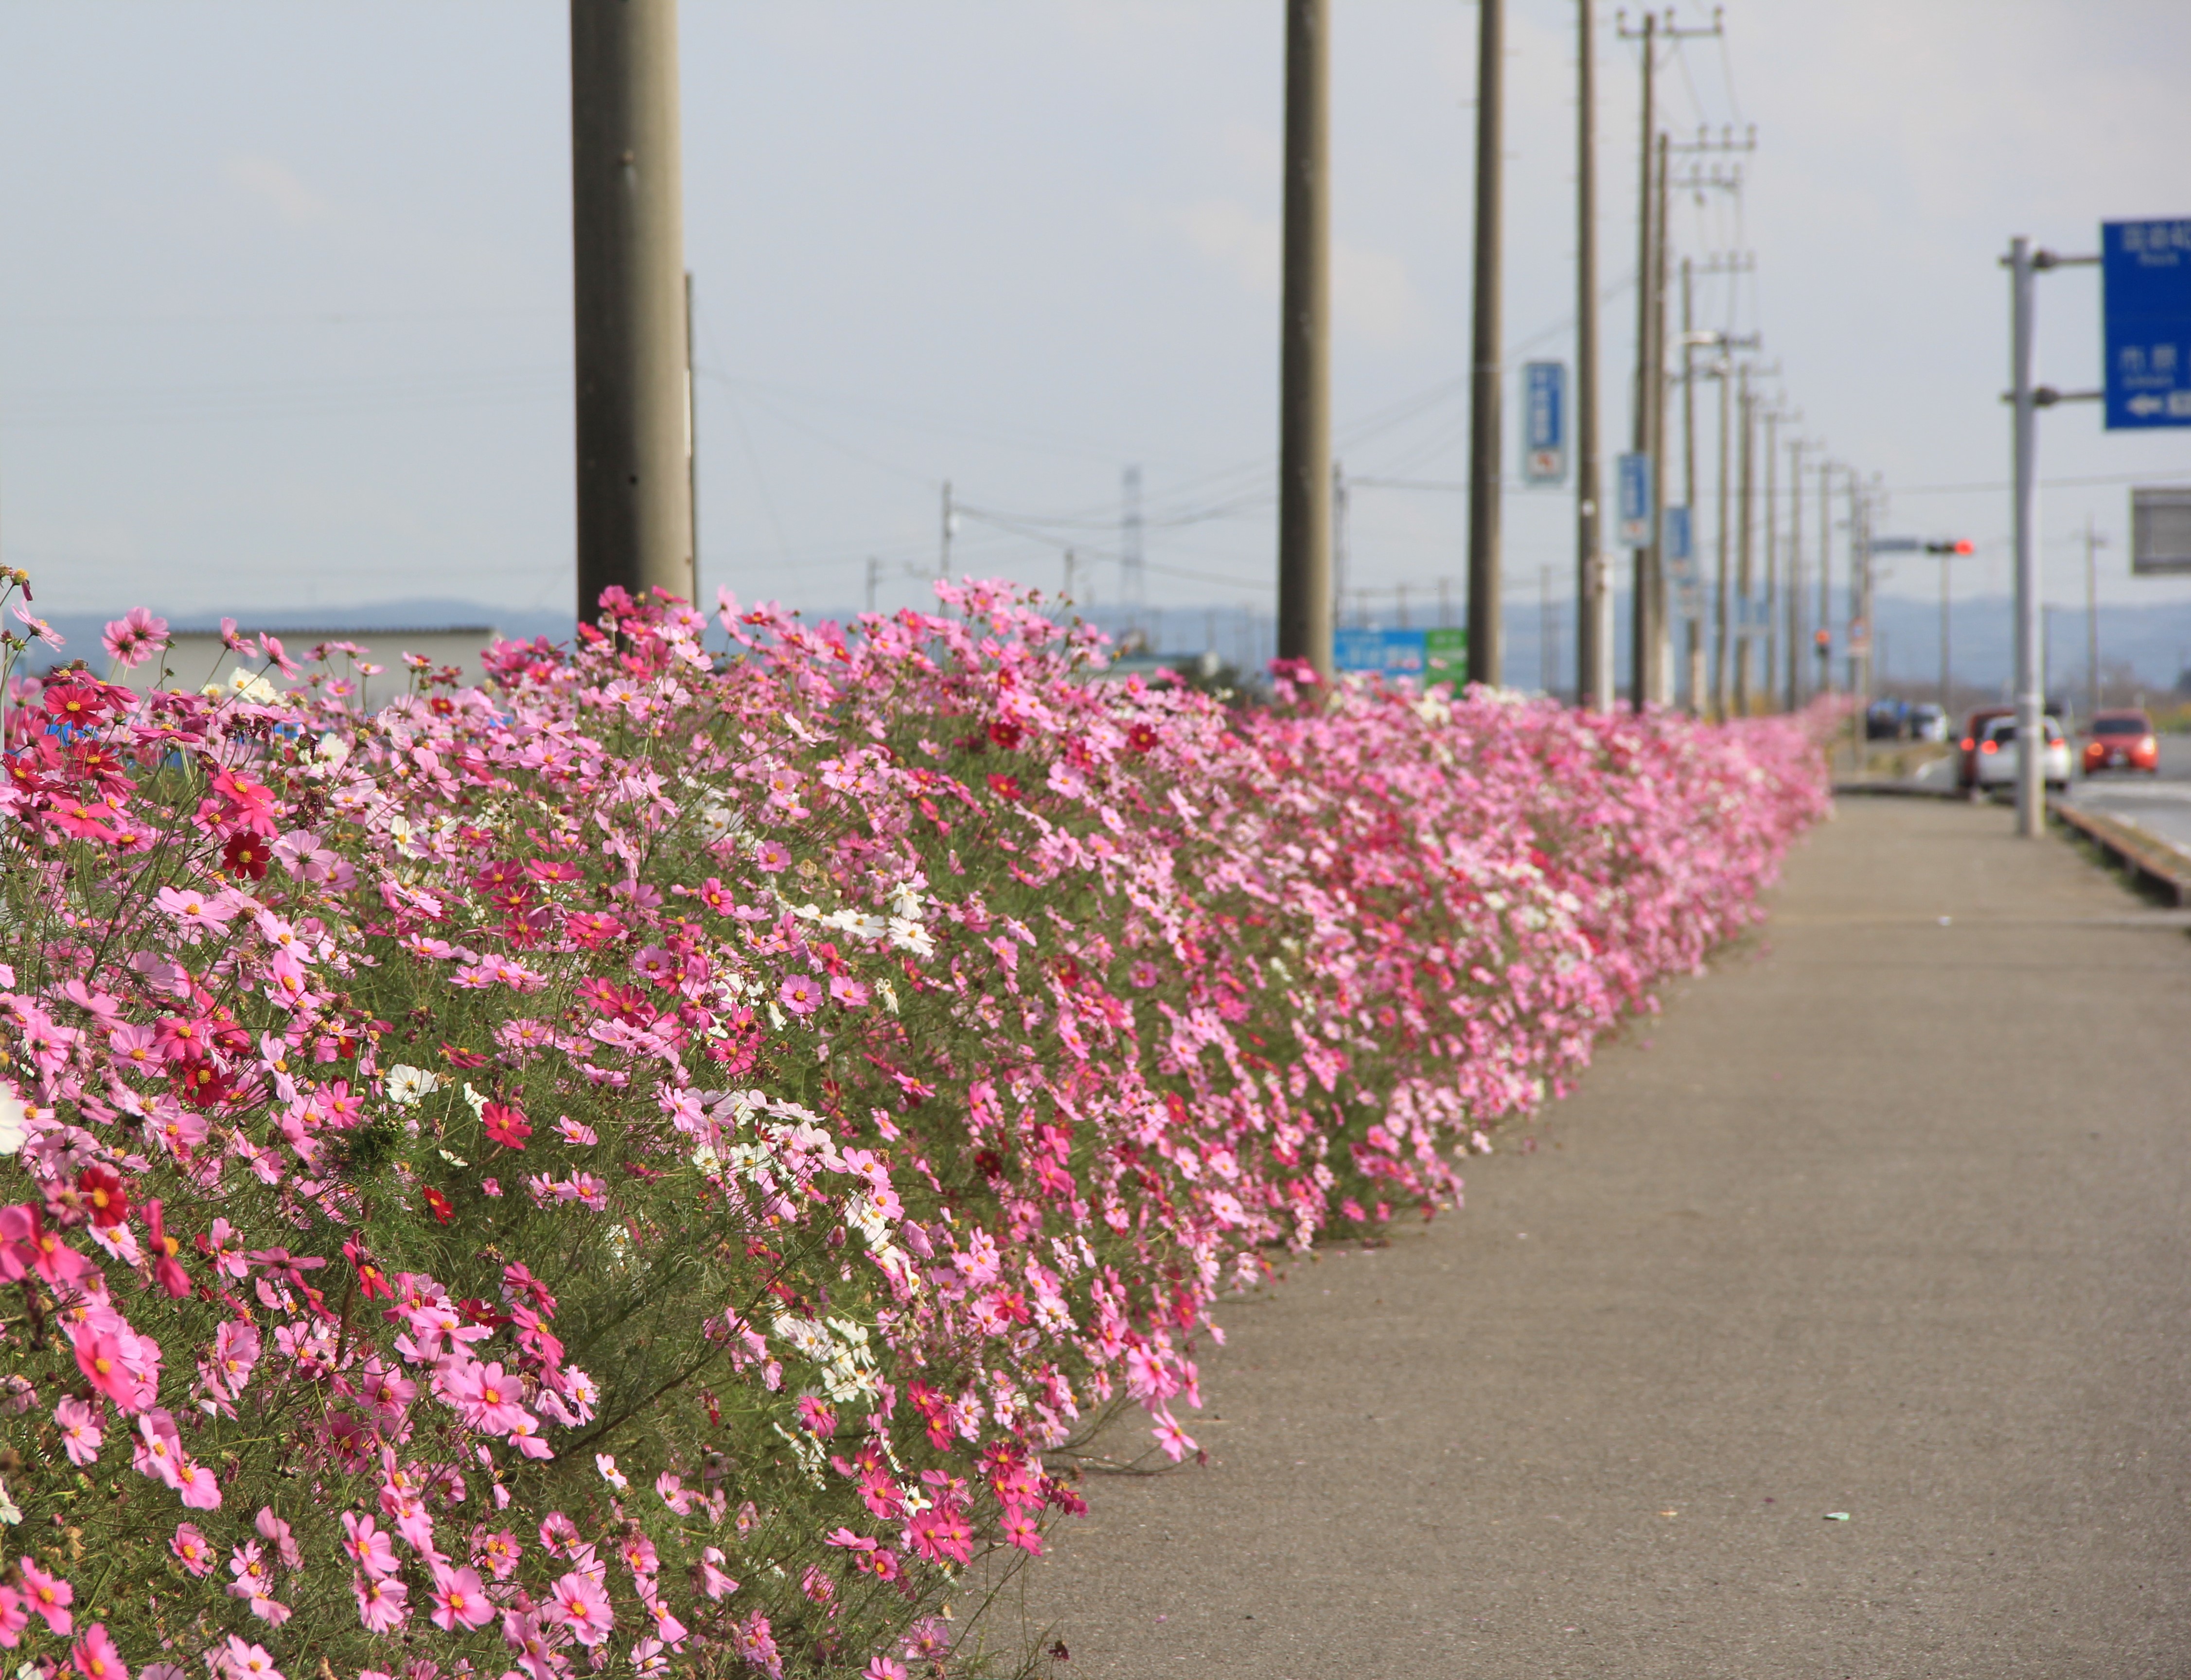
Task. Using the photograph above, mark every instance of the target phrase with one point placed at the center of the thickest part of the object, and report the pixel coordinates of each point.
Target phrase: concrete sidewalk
(1883, 1217)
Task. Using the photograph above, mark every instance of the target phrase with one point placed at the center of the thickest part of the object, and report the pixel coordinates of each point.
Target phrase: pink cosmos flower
(200, 1490)
(770, 857)
(667, 1629)
(47, 1595)
(381, 1602)
(14, 1618)
(1174, 1440)
(133, 638)
(242, 1662)
(276, 1533)
(460, 1599)
(713, 1581)
(193, 1548)
(366, 1545)
(580, 1605)
(801, 994)
(95, 1658)
(98, 1357)
(848, 991)
(1020, 1530)
(883, 1668)
(80, 1435)
(159, 1448)
(499, 1553)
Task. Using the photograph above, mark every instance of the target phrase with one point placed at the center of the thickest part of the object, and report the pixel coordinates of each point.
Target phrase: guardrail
(2154, 860)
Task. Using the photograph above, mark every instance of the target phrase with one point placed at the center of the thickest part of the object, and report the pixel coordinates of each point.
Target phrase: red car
(2122, 740)
(1974, 736)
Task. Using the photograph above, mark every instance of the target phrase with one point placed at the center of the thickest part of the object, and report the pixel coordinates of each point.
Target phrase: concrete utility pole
(1746, 530)
(1661, 645)
(634, 504)
(947, 528)
(693, 434)
(2093, 543)
(1304, 345)
(1825, 576)
(1795, 448)
(1859, 654)
(1640, 637)
(1486, 634)
(1133, 584)
(1593, 631)
(1723, 674)
(1341, 509)
(2024, 445)
(1771, 625)
(1693, 618)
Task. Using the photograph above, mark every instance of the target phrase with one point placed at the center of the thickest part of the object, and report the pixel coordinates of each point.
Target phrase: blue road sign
(1545, 423)
(2145, 270)
(1635, 480)
(1396, 653)
(1676, 534)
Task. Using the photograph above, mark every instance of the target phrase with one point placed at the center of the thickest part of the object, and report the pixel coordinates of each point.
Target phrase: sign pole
(2030, 731)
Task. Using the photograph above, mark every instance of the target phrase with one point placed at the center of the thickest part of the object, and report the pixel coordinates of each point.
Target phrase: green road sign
(1445, 656)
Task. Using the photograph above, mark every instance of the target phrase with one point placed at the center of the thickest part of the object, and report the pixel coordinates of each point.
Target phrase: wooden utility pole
(1485, 628)
(1593, 635)
(635, 504)
(1304, 607)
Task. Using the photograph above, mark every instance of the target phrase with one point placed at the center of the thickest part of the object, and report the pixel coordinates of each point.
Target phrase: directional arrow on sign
(2146, 405)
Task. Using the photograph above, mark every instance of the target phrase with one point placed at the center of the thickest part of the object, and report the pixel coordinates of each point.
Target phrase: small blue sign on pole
(2145, 283)
(1676, 534)
(1545, 423)
(1636, 501)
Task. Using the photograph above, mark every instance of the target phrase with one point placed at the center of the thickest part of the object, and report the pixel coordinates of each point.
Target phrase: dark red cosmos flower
(370, 1278)
(103, 1195)
(248, 855)
(200, 1084)
(461, 1058)
(505, 1125)
(164, 1249)
(438, 1205)
(82, 703)
(503, 872)
(1140, 737)
(1005, 787)
(1006, 735)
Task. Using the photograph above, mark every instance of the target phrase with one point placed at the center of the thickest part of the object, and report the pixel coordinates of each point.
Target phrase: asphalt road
(1886, 1217)
(2160, 804)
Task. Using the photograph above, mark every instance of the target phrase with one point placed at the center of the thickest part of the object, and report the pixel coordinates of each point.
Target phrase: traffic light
(1961, 545)
(1825, 638)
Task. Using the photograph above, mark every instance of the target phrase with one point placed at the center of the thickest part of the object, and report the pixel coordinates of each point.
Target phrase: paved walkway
(1883, 1217)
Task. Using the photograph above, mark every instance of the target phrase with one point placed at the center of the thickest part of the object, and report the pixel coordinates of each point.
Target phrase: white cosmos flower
(406, 1085)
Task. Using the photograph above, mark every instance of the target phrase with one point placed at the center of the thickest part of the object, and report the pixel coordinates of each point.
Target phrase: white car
(1997, 755)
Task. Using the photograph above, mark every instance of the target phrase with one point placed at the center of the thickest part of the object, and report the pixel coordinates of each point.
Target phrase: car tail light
(1990, 746)
(1968, 743)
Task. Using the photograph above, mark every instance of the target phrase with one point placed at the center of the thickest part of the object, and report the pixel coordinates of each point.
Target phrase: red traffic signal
(1961, 545)
(1825, 638)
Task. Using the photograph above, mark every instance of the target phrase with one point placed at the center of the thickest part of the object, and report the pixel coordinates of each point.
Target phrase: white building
(197, 658)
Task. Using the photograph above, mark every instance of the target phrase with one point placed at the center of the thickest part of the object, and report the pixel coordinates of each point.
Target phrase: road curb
(2152, 859)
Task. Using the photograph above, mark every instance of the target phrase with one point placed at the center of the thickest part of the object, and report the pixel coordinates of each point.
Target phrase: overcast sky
(284, 323)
